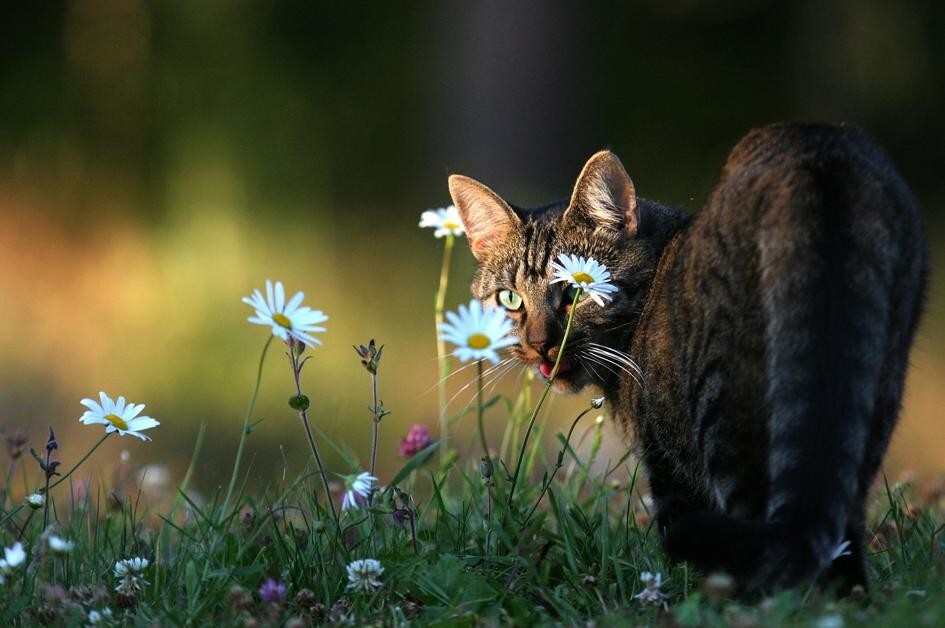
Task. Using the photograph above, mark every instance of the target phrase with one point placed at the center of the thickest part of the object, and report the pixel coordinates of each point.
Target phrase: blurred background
(158, 161)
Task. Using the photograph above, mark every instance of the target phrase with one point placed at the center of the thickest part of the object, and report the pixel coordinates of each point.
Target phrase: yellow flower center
(478, 341)
(582, 277)
(282, 320)
(449, 224)
(117, 421)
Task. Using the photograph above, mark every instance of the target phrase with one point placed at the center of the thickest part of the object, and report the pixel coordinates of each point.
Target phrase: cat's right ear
(486, 217)
(604, 195)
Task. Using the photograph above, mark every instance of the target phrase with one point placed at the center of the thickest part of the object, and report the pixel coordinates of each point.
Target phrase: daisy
(287, 319)
(585, 273)
(13, 557)
(445, 220)
(117, 416)
(357, 489)
(59, 545)
(363, 575)
(651, 594)
(36, 501)
(478, 332)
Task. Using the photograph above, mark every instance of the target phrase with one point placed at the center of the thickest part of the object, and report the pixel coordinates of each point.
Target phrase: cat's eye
(509, 300)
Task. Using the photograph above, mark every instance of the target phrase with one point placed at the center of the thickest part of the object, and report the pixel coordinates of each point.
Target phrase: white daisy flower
(445, 220)
(651, 594)
(287, 319)
(36, 501)
(363, 575)
(117, 416)
(59, 545)
(357, 489)
(13, 557)
(585, 273)
(478, 332)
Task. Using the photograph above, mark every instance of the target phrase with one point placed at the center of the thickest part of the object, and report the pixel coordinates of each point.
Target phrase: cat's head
(515, 247)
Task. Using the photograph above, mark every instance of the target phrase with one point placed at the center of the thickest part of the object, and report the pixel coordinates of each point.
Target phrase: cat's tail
(841, 274)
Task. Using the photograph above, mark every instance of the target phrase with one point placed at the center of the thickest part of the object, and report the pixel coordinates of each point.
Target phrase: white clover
(651, 594)
(97, 617)
(478, 332)
(117, 416)
(357, 489)
(36, 501)
(13, 557)
(128, 572)
(59, 545)
(363, 575)
(445, 220)
(585, 273)
(287, 319)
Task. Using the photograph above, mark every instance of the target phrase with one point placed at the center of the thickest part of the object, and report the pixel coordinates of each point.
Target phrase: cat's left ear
(604, 195)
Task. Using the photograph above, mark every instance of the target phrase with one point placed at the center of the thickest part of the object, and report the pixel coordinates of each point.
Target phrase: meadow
(463, 533)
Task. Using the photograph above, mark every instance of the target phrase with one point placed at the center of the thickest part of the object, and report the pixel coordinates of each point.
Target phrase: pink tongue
(545, 369)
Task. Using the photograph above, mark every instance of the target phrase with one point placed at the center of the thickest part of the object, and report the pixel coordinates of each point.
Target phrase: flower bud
(485, 467)
(299, 402)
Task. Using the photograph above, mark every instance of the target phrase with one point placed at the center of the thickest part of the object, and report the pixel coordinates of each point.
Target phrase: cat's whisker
(620, 365)
(448, 377)
(620, 355)
(591, 358)
(586, 362)
(485, 374)
(498, 377)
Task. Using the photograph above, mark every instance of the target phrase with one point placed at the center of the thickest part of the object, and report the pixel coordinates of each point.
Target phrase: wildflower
(17, 443)
(416, 440)
(585, 273)
(445, 220)
(370, 356)
(478, 332)
(598, 403)
(272, 592)
(13, 557)
(842, 549)
(116, 416)
(651, 594)
(288, 320)
(36, 501)
(128, 571)
(363, 575)
(357, 489)
(59, 545)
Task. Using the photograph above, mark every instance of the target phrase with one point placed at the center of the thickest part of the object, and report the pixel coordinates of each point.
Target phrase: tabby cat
(755, 352)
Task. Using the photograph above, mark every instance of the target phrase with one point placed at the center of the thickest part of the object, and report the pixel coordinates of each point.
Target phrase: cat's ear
(486, 217)
(604, 195)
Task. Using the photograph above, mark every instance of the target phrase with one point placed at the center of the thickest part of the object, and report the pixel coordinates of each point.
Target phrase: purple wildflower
(417, 439)
(272, 592)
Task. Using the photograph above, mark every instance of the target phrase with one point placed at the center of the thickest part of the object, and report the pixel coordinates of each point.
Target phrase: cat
(755, 351)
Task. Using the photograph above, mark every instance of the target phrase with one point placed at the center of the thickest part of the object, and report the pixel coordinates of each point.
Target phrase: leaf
(415, 462)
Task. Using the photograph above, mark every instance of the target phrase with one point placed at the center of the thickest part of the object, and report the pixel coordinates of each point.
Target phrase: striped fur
(755, 353)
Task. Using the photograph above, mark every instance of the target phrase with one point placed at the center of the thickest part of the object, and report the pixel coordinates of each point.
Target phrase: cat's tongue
(545, 368)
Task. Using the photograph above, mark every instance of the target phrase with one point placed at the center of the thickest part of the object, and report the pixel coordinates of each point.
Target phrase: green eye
(509, 300)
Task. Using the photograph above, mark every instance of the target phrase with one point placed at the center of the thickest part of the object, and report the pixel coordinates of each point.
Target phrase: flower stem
(77, 465)
(444, 366)
(377, 423)
(480, 412)
(245, 432)
(541, 400)
(558, 464)
(303, 414)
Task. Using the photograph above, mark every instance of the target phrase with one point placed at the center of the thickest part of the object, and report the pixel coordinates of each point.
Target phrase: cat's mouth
(564, 369)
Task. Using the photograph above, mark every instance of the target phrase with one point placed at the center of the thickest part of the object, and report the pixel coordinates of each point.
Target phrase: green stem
(558, 464)
(77, 465)
(245, 432)
(377, 424)
(541, 400)
(441, 345)
(481, 411)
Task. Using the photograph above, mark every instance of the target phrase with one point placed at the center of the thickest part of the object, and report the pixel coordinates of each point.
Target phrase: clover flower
(128, 571)
(36, 501)
(478, 332)
(98, 617)
(416, 440)
(272, 592)
(117, 416)
(357, 489)
(59, 545)
(585, 273)
(445, 220)
(651, 594)
(13, 557)
(288, 320)
(363, 575)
